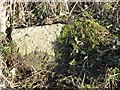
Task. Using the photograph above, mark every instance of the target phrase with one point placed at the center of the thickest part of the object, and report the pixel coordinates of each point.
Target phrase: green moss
(80, 36)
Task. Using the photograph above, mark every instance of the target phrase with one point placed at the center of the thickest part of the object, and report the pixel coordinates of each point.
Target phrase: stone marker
(38, 38)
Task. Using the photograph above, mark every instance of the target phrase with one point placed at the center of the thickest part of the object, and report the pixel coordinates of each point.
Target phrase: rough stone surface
(38, 38)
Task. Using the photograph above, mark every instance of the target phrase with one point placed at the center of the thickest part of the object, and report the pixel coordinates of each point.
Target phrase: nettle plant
(78, 39)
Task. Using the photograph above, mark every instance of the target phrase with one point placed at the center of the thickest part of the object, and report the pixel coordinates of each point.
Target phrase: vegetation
(87, 52)
(85, 47)
(82, 36)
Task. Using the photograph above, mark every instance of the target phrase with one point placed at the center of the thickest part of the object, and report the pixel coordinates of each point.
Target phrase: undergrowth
(88, 51)
(87, 56)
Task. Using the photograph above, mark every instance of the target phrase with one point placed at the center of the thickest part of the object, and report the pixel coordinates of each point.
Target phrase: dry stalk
(73, 8)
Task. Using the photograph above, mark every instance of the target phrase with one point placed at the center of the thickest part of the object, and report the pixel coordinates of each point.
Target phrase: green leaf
(73, 62)
(107, 6)
(62, 13)
(21, 14)
(83, 52)
(93, 46)
(8, 24)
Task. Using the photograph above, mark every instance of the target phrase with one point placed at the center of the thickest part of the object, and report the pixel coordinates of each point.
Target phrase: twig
(73, 8)
(36, 86)
(83, 79)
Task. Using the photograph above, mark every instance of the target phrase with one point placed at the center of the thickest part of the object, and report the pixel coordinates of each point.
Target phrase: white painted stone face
(38, 38)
